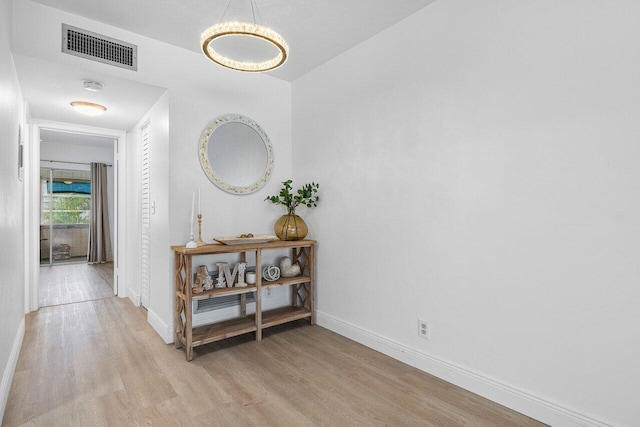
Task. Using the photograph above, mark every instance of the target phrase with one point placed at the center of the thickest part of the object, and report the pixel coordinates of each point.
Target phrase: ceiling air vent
(85, 44)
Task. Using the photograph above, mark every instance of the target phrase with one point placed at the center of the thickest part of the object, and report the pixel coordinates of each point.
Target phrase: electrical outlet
(423, 329)
(267, 293)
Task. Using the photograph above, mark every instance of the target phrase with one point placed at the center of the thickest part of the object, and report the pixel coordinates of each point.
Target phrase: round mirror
(236, 154)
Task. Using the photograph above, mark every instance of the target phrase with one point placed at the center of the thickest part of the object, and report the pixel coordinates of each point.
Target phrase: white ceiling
(316, 30)
(49, 87)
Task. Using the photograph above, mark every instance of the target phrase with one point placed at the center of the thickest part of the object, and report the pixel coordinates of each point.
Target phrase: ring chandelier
(244, 29)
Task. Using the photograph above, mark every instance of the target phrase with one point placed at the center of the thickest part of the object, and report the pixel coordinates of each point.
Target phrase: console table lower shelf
(302, 294)
(242, 325)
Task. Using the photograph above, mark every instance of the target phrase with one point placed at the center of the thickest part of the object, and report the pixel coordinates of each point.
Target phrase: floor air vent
(85, 44)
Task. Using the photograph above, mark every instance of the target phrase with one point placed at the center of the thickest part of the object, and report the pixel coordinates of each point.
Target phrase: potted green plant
(290, 226)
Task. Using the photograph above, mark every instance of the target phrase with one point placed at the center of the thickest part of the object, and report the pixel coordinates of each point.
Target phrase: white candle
(193, 208)
(199, 202)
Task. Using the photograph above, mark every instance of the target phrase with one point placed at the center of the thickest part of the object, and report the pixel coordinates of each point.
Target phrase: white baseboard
(165, 331)
(537, 407)
(134, 297)
(7, 375)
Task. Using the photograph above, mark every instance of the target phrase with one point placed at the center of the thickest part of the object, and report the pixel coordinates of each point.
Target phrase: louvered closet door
(146, 213)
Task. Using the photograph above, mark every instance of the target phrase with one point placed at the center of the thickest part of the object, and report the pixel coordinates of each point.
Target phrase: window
(69, 203)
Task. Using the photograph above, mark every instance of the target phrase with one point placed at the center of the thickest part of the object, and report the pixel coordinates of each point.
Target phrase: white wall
(194, 97)
(268, 102)
(197, 91)
(12, 221)
(485, 178)
(81, 154)
(133, 213)
(158, 118)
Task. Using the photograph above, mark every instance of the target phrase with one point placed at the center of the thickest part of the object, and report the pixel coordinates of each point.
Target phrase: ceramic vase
(290, 227)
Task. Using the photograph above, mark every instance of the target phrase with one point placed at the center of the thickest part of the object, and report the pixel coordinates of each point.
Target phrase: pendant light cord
(225, 11)
(253, 12)
(257, 13)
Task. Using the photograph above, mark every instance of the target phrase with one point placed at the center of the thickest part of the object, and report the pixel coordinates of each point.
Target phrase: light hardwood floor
(80, 365)
(67, 283)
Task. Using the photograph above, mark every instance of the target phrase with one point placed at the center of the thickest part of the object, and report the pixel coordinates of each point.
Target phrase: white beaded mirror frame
(234, 160)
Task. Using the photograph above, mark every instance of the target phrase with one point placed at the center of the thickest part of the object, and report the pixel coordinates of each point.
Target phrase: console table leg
(179, 278)
(258, 318)
(312, 291)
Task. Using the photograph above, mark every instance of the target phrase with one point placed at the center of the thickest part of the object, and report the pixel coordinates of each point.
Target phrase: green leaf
(305, 195)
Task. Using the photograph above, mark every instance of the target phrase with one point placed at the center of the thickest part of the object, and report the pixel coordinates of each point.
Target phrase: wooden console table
(302, 293)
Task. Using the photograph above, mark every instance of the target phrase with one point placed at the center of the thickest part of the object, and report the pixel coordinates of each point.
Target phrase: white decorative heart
(288, 268)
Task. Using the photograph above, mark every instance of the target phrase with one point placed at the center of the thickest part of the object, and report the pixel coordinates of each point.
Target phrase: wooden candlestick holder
(200, 242)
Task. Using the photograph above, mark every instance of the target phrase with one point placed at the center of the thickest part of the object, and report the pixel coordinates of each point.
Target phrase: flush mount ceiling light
(88, 108)
(244, 29)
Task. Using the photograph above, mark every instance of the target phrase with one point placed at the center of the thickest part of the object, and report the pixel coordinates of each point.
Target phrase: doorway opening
(76, 210)
(65, 215)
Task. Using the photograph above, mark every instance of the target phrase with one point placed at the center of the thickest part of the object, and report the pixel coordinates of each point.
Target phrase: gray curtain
(99, 234)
